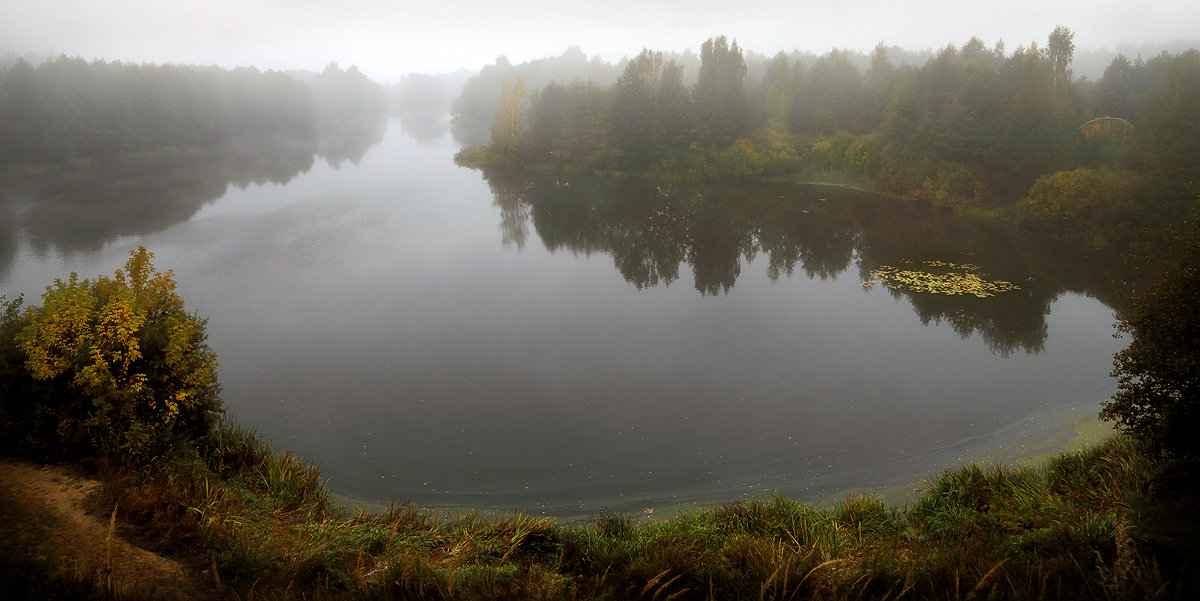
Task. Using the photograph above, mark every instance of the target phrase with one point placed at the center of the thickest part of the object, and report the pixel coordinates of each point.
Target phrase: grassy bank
(1111, 522)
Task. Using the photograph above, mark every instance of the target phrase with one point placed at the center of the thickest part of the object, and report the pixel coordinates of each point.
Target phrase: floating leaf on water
(958, 278)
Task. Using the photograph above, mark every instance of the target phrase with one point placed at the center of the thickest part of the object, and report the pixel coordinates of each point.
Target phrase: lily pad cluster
(938, 277)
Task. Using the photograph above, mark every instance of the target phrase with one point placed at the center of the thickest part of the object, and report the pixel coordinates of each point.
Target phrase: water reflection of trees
(349, 139)
(424, 126)
(651, 229)
(84, 208)
(8, 240)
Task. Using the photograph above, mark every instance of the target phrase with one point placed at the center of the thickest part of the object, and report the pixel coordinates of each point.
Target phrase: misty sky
(389, 38)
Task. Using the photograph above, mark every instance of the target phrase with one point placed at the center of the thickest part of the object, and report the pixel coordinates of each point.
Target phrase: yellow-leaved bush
(117, 364)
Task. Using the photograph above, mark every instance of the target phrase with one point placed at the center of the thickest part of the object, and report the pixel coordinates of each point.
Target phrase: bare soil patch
(42, 516)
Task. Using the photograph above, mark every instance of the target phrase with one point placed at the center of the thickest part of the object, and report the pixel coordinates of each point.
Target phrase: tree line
(975, 127)
(68, 109)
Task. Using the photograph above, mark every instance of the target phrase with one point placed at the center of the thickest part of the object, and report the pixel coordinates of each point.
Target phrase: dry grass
(1104, 523)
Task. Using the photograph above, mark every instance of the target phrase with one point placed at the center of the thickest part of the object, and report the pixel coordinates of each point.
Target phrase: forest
(69, 109)
(975, 127)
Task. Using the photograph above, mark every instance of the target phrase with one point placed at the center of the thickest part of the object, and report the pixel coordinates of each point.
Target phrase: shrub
(1071, 200)
(113, 367)
(1158, 374)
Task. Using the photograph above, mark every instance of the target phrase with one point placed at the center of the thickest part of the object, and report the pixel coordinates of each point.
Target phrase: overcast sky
(387, 38)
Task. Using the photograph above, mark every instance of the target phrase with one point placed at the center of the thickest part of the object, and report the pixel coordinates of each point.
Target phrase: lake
(432, 333)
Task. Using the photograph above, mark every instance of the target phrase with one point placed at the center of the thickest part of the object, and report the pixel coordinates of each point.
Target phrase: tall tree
(722, 108)
(780, 90)
(673, 109)
(880, 77)
(634, 116)
(1034, 124)
(1059, 52)
(21, 115)
(339, 94)
(1115, 92)
(1169, 127)
(508, 125)
(831, 99)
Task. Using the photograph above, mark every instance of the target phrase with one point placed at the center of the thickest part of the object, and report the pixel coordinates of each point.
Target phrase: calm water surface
(428, 332)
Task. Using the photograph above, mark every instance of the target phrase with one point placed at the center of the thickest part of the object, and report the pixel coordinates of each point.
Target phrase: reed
(1106, 522)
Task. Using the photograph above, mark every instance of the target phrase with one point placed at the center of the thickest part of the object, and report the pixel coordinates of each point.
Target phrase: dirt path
(41, 514)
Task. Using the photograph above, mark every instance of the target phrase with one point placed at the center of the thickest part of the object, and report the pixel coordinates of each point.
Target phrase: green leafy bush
(114, 366)
(1069, 199)
(1158, 374)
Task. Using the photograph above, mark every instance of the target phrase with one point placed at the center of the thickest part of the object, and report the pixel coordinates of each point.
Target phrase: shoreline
(1031, 441)
(961, 528)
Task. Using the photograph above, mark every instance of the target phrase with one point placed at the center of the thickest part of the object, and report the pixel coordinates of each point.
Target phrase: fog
(386, 39)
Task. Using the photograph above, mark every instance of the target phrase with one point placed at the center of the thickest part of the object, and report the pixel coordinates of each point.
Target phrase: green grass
(1109, 522)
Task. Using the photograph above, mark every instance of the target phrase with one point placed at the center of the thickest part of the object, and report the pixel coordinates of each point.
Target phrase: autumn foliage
(113, 366)
(1066, 198)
